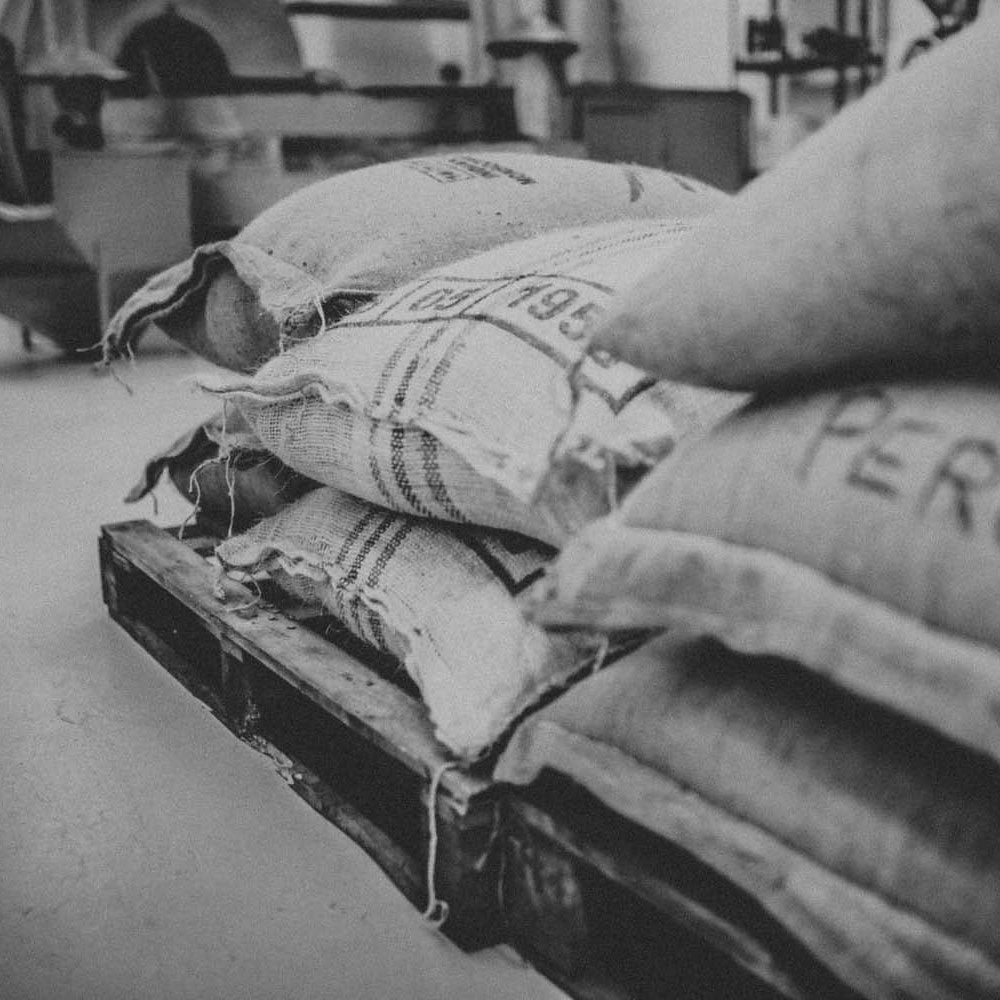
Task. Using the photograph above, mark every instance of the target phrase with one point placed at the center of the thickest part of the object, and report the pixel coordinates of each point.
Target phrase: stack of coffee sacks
(432, 409)
(821, 721)
(433, 416)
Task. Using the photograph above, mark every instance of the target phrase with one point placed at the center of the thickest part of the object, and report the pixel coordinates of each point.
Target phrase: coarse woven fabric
(438, 598)
(451, 396)
(321, 250)
(614, 734)
(224, 470)
(854, 531)
(873, 246)
(895, 809)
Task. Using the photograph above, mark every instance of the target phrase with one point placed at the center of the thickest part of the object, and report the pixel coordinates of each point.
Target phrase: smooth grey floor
(145, 852)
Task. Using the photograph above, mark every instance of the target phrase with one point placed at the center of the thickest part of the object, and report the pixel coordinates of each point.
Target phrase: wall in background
(365, 53)
(682, 43)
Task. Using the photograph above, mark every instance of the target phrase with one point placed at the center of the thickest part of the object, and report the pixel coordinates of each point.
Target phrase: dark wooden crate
(601, 906)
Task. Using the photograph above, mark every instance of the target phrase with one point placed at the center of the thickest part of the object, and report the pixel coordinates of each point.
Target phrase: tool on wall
(951, 17)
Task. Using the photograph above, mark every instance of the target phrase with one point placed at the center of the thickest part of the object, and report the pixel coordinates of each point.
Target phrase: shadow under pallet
(599, 905)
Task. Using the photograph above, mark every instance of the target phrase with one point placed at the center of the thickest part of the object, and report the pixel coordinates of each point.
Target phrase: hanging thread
(603, 646)
(436, 911)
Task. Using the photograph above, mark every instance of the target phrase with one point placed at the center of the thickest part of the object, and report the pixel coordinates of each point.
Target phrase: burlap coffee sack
(873, 247)
(222, 468)
(616, 750)
(891, 807)
(450, 397)
(854, 531)
(315, 254)
(438, 598)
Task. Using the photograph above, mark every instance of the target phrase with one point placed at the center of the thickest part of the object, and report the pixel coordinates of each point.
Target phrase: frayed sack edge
(490, 459)
(205, 445)
(408, 641)
(161, 296)
(757, 602)
(538, 482)
(300, 305)
(193, 442)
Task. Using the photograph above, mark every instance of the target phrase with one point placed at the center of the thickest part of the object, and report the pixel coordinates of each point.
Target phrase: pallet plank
(336, 681)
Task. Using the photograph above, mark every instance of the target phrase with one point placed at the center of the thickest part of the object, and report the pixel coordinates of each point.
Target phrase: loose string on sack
(229, 473)
(436, 911)
(107, 362)
(320, 311)
(109, 366)
(194, 485)
(601, 654)
(286, 339)
(227, 457)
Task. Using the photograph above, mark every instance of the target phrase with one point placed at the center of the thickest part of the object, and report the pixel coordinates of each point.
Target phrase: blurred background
(132, 130)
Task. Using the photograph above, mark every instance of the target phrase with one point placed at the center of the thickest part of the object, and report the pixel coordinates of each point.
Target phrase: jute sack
(870, 840)
(318, 252)
(450, 396)
(222, 468)
(874, 246)
(894, 809)
(855, 531)
(439, 599)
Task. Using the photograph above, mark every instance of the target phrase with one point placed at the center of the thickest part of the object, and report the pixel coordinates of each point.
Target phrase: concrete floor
(145, 852)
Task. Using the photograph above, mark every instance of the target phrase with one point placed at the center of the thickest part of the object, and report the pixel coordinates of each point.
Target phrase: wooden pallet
(601, 906)
(358, 746)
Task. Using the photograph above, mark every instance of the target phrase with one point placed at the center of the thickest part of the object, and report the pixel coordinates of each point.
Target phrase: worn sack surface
(854, 531)
(799, 796)
(441, 600)
(450, 397)
(224, 470)
(874, 246)
(321, 250)
(877, 799)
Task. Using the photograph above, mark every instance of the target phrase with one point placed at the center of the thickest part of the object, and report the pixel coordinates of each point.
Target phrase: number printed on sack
(557, 308)
(546, 301)
(550, 313)
(447, 299)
